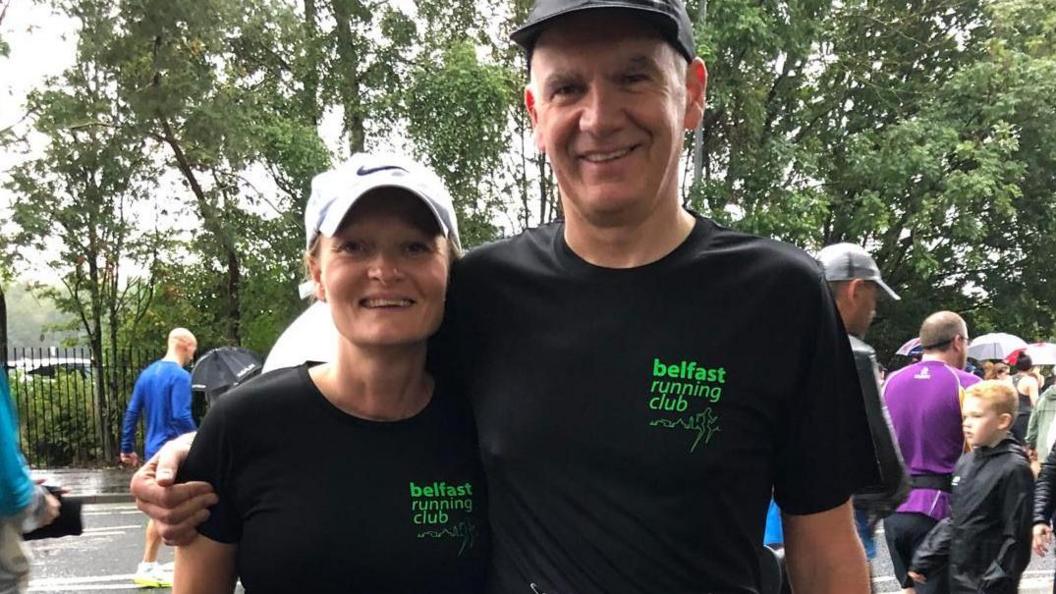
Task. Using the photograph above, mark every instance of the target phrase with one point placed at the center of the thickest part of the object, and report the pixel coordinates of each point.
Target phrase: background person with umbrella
(994, 346)
(221, 369)
(163, 392)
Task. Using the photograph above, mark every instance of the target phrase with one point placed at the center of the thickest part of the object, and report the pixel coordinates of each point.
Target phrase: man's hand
(176, 509)
(917, 577)
(130, 459)
(1042, 538)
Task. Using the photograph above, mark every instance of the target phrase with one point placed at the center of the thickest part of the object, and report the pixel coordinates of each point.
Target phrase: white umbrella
(311, 337)
(907, 348)
(1041, 353)
(996, 345)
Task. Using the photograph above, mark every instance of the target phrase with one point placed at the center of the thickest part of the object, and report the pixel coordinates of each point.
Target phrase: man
(924, 400)
(855, 282)
(631, 435)
(163, 392)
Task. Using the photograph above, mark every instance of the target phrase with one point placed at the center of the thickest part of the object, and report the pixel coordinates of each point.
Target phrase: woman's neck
(383, 384)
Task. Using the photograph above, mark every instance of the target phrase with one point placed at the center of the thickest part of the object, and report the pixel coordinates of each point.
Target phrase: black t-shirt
(321, 501)
(633, 422)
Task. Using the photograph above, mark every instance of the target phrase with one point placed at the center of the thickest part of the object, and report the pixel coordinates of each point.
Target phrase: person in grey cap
(855, 282)
(631, 435)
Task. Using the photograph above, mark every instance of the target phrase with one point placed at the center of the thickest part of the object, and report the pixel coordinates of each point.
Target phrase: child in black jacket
(986, 540)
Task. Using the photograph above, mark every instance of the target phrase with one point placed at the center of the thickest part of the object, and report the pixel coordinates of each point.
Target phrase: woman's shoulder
(266, 393)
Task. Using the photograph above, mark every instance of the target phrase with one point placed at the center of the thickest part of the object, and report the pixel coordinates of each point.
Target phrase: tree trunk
(348, 67)
(234, 313)
(211, 220)
(310, 96)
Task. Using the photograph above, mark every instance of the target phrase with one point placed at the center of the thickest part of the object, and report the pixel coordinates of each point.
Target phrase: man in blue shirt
(163, 392)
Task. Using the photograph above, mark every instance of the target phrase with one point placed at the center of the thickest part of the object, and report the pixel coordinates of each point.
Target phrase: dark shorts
(904, 532)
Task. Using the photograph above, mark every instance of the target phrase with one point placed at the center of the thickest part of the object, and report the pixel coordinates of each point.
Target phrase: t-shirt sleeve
(210, 460)
(827, 452)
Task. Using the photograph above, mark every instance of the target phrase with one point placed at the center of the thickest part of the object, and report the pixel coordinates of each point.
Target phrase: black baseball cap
(669, 16)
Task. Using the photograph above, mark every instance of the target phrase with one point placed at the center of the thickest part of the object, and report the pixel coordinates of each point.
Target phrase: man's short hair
(998, 396)
(940, 328)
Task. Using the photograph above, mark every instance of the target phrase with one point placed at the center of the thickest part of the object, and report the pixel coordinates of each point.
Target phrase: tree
(902, 127)
(208, 84)
(457, 109)
(83, 193)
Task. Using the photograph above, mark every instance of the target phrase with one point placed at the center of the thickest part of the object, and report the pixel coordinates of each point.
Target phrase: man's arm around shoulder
(824, 554)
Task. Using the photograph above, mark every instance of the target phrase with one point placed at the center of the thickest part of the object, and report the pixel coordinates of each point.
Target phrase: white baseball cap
(336, 191)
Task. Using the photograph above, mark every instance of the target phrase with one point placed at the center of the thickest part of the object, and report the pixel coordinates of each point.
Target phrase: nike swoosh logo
(364, 170)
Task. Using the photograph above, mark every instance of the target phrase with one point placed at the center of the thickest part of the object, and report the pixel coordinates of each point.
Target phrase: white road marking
(105, 528)
(85, 588)
(83, 584)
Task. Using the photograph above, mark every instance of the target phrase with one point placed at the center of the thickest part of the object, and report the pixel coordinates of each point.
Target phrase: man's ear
(696, 93)
(1004, 421)
(533, 115)
(856, 287)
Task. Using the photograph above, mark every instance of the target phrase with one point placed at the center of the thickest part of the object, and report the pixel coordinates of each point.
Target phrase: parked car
(48, 367)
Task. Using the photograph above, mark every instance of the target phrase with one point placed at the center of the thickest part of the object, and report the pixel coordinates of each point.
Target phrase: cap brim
(890, 293)
(339, 209)
(527, 35)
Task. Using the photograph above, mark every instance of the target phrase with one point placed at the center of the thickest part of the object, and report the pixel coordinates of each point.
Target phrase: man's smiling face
(610, 101)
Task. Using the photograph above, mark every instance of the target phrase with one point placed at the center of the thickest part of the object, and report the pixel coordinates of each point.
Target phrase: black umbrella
(223, 368)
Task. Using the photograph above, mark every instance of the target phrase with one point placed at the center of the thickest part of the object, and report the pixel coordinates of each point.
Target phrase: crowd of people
(583, 408)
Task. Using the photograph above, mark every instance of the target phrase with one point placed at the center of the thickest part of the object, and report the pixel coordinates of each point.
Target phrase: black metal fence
(70, 403)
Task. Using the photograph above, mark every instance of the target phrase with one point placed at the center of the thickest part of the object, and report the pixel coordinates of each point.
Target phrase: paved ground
(103, 485)
(105, 556)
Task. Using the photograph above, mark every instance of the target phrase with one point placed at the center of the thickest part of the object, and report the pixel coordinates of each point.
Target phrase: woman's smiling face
(384, 272)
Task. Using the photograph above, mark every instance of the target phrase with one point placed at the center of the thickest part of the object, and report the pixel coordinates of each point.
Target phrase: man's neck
(631, 244)
(174, 357)
(940, 357)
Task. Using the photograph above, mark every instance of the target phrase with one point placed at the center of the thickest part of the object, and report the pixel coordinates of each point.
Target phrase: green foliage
(31, 317)
(457, 117)
(924, 131)
(920, 130)
(56, 418)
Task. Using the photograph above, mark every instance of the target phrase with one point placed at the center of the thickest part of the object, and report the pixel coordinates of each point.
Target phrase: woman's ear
(316, 274)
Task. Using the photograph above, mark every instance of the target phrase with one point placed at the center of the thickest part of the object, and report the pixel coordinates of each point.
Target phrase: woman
(995, 370)
(24, 506)
(360, 475)
(1026, 386)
